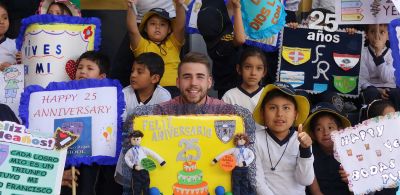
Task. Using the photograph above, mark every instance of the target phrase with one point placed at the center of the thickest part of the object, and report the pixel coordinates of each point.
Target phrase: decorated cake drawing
(190, 181)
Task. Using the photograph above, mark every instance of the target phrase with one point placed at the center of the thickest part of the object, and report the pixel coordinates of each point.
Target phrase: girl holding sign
(284, 163)
(324, 119)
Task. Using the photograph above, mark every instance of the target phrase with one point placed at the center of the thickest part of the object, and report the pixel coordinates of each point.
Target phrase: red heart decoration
(63, 135)
(70, 68)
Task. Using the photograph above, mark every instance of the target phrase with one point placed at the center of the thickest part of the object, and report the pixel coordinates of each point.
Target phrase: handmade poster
(11, 86)
(188, 144)
(30, 164)
(396, 3)
(394, 37)
(90, 108)
(370, 153)
(262, 18)
(365, 11)
(50, 46)
(317, 60)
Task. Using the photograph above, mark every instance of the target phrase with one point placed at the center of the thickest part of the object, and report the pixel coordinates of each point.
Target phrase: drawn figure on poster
(11, 88)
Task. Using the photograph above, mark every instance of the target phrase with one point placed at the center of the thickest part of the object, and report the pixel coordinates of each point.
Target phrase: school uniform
(282, 167)
(132, 99)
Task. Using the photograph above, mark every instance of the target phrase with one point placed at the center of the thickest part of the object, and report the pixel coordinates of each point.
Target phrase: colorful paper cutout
(345, 84)
(295, 78)
(148, 164)
(296, 55)
(227, 163)
(346, 61)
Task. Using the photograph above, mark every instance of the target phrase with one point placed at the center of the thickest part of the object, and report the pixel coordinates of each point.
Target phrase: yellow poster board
(191, 138)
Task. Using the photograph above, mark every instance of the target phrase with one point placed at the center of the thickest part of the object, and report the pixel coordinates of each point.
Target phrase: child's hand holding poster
(370, 153)
(31, 164)
(89, 108)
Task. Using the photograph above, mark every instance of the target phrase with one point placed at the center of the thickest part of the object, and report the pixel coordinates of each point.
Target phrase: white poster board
(370, 153)
(11, 86)
(365, 11)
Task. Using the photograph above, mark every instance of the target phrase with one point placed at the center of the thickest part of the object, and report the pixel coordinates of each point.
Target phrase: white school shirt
(377, 76)
(241, 97)
(8, 50)
(291, 175)
(160, 95)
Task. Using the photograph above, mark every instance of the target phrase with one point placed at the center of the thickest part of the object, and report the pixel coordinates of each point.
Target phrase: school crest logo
(4, 149)
(345, 84)
(296, 55)
(295, 78)
(225, 129)
(346, 61)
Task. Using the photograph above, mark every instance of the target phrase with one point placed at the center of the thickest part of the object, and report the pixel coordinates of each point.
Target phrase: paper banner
(317, 61)
(194, 138)
(365, 11)
(90, 108)
(394, 37)
(262, 18)
(29, 165)
(370, 153)
(396, 3)
(11, 86)
(50, 46)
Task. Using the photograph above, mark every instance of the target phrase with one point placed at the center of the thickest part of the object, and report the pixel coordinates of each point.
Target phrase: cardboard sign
(317, 60)
(394, 37)
(365, 11)
(183, 139)
(11, 86)
(370, 153)
(50, 46)
(28, 164)
(262, 18)
(89, 108)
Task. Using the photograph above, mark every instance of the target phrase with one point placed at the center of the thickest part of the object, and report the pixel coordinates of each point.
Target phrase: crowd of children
(293, 148)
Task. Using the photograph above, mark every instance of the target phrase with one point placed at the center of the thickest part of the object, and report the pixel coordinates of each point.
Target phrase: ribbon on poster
(370, 153)
(90, 108)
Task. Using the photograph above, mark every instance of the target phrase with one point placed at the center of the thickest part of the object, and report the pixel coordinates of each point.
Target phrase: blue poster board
(318, 61)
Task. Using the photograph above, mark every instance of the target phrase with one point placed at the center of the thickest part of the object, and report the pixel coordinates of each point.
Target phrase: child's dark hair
(377, 107)
(64, 8)
(277, 93)
(336, 119)
(153, 62)
(367, 27)
(135, 133)
(253, 51)
(97, 57)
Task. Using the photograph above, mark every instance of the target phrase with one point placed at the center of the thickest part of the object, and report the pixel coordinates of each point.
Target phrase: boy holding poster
(284, 163)
(92, 178)
(324, 119)
(144, 89)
